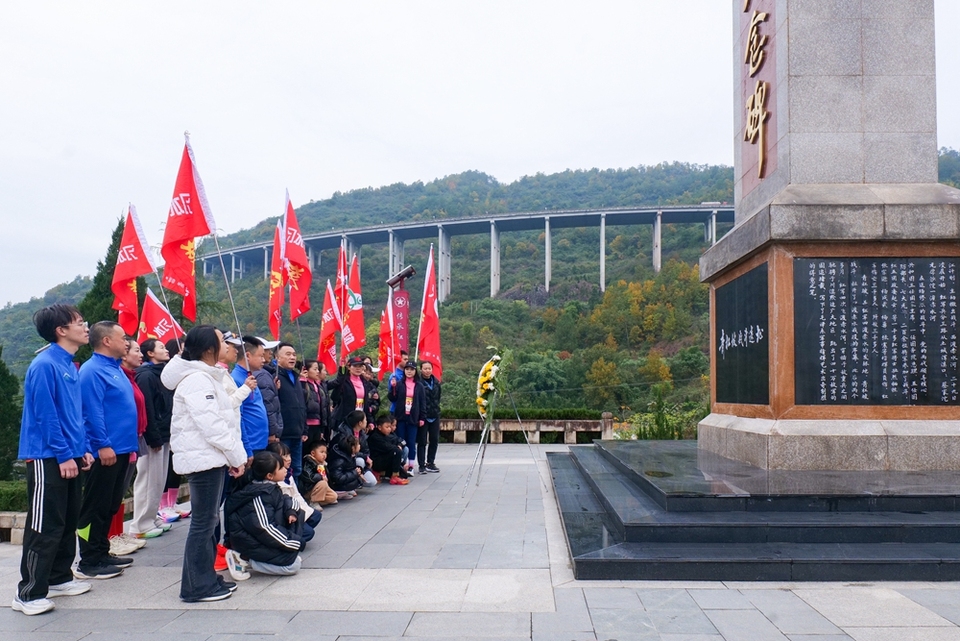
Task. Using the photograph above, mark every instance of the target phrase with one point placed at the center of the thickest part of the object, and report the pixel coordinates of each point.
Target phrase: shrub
(13, 496)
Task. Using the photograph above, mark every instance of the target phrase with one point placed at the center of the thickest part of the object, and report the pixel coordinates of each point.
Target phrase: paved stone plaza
(420, 562)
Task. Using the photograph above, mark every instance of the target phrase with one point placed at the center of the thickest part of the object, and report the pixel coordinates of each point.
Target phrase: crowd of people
(265, 441)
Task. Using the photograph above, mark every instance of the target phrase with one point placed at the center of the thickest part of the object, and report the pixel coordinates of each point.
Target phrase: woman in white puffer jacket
(205, 440)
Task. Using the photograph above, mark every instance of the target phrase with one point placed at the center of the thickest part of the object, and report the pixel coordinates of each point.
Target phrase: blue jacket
(52, 423)
(254, 423)
(109, 409)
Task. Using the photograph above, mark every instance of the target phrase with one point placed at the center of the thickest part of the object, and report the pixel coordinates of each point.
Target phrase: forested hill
(474, 193)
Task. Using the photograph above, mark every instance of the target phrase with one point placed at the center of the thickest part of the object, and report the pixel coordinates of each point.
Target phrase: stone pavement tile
(396, 534)
(59, 636)
(904, 634)
(720, 600)
(263, 637)
(130, 633)
(623, 624)
(362, 624)
(119, 619)
(681, 622)
(373, 555)
(412, 561)
(819, 637)
(946, 603)
(789, 612)
(469, 624)
(240, 622)
(691, 637)
(556, 635)
(414, 590)
(314, 590)
(869, 607)
(571, 614)
(612, 598)
(137, 585)
(675, 599)
(458, 555)
(455, 637)
(17, 622)
(744, 625)
(509, 591)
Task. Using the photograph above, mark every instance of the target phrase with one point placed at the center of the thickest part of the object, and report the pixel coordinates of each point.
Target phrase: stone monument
(834, 298)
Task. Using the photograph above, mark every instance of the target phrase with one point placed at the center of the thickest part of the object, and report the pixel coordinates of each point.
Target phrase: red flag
(277, 281)
(340, 289)
(329, 326)
(189, 217)
(388, 356)
(133, 260)
(428, 334)
(298, 266)
(156, 321)
(353, 334)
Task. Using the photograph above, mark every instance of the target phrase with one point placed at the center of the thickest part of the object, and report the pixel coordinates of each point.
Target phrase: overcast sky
(321, 97)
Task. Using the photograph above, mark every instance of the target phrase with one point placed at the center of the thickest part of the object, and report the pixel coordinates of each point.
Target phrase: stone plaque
(876, 331)
(742, 347)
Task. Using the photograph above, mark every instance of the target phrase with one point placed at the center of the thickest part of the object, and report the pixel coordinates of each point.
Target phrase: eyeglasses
(83, 324)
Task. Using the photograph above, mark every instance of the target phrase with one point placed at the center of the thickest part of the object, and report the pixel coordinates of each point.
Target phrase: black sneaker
(119, 561)
(101, 571)
(433, 468)
(219, 594)
(422, 470)
(230, 585)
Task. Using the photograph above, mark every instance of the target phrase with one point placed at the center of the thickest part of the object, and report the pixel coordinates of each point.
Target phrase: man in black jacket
(267, 384)
(155, 457)
(293, 406)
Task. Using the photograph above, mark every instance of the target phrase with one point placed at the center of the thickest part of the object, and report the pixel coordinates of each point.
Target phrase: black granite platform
(648, 510)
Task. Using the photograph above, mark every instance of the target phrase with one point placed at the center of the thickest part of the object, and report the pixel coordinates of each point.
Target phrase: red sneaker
(396, 480)
(220, 563)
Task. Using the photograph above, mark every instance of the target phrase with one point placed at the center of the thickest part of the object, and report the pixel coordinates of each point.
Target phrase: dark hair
(348, 442)
(353, 418)
(199, 341)
(99, 331)
(384, 419)
(312, 445)
(264, 463)
(174, 345)
(403, 351)
(279, 447)
(310, 362)
(251, 343)
(48, 319)
(148, 345)
(283, 344)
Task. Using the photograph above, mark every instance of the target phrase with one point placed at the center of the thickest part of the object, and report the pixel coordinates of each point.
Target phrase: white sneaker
(238, 567)
(30, 608)
(70, 588)
(129, 538)
(120, 547)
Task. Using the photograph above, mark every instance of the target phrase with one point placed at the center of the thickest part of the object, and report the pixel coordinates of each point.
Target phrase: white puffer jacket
(205, 427)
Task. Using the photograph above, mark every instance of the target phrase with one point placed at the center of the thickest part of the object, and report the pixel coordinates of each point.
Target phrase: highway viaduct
(240, 260)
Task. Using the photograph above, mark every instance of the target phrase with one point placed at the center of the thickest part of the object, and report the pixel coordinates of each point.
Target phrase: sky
(318, 97)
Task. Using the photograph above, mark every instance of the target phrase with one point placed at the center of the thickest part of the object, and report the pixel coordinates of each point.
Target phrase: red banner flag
(329, 326)
(277, 281)
(133, 260)
(156, 321)
(353, 334)
(340, 288)
(188, 218)
(388, 354)
(298, 265)
(428, 334)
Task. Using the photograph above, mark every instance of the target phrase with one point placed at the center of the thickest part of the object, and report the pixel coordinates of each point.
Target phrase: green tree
(950, 167)
(10, 411)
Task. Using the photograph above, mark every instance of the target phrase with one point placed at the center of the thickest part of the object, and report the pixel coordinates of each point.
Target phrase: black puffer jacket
(431, 398)
(267, 385)
(257, 515)
(318, 407)
(341, 469)
(158, 401)
(344, 397)
(398, 396)
(293, 405)
(310, 475)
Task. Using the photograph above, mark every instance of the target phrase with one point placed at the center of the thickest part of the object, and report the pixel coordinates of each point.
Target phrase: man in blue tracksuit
(110, 420)
(254, 423)
(54, 445)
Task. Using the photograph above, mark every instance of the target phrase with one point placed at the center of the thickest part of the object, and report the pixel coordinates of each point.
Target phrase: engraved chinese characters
(755, 45)
(876, 331)
(742, 344)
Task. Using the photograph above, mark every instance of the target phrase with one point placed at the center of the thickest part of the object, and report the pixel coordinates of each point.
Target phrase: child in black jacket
(387, 455)
(266, 532)
(342, 469)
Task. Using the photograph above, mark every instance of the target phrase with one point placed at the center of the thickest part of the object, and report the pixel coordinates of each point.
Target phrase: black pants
(429, 428)
(103, 490)
(50, 535)
(388, 464)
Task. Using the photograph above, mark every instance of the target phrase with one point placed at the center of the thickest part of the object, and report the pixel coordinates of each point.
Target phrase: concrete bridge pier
(657, 226)
(443, 264)
(603, 252)
(548, 262)
(395, 245)
(494, 259)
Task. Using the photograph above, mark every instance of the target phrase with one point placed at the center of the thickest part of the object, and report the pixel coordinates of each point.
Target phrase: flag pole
(164, 295)
(226, 281)
(300, 335)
